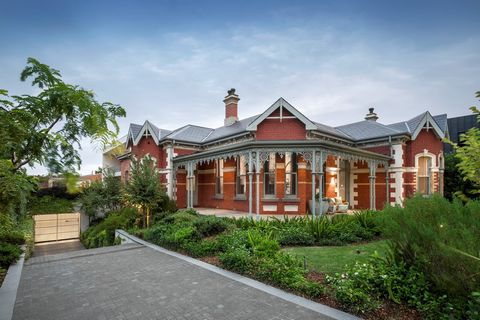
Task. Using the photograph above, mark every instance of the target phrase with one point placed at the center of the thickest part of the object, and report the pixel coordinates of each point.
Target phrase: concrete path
(132, 281)
(48, 248)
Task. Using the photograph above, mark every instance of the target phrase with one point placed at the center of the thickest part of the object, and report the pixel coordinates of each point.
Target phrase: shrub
(262, 244)
(368, 220)
(237, 259)
(318, 227)
(9, 253)
(362, 286)
(211, 225)
(49, 204)
(440, 239)
(281, 268)
(236, 239)
(12, 236)
(292, 235)
(188, 215)
(182, 235)
(103, 234)
(172, 235)
(201, 248)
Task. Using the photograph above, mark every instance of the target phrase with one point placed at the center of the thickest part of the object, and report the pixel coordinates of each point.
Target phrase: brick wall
(287, 129)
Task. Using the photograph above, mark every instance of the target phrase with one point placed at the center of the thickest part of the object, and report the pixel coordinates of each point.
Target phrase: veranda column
(387, 182)
(190, 184)
(187, 184)
(313, 184)
(257, 167)
(372, 166)
(250, 184)
(320, 182)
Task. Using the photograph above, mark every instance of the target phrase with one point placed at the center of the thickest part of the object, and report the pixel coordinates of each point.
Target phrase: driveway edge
(8, 290)
(303, 302)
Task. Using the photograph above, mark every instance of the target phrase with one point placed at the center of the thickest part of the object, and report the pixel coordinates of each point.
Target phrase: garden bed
(346, 259)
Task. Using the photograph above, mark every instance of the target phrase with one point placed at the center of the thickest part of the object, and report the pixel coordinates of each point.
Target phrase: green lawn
(333, 259)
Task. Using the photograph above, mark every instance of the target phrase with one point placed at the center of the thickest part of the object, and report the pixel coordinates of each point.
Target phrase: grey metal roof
(189, 133)
(135, 129)
(441, 120)
(231, 130)
(367, 129)
(331, 130)
(400, 127)
(357, 131)
(414, 122)
(411, 125)
(159, 131)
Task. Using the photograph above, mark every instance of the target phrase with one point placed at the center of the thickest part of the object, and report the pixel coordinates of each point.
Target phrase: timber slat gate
(54, 227)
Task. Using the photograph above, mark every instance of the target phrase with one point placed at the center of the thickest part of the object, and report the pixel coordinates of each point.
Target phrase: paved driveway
(136, 282)
(48, 248)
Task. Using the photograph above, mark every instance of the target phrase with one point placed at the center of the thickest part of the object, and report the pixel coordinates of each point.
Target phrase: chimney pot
(231, 107)
(371, 116)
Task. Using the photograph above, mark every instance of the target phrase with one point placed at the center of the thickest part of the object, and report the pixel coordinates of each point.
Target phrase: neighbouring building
(457, 126)
(279, 162)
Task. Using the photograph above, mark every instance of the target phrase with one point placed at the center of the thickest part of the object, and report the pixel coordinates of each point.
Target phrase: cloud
(331, 75)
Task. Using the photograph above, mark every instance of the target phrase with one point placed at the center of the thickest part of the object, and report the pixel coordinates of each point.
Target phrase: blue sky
(172, 61)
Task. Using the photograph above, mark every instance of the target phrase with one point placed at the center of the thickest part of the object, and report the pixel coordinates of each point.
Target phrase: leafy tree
(468, 154)
(112, 190)
(455, 185)
(46, 128)
(144, 188)
(92, 201)
(102, 196)
(15, 186)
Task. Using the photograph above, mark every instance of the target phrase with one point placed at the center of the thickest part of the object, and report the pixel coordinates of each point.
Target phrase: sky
(172, 62)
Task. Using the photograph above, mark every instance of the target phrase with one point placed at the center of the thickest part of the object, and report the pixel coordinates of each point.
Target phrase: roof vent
(371, 116)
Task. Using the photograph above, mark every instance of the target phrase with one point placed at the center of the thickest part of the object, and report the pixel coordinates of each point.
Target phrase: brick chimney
(231, 107)
(371, 116)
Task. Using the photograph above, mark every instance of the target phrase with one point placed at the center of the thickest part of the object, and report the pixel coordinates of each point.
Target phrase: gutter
(283, 143)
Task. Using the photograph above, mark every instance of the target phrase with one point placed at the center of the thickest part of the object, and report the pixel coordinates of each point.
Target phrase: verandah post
(250, 184)
(313, 184)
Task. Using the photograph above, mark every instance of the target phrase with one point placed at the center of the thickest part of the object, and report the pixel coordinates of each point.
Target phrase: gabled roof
(236, 128)
(367, 129)
(281, 103)
(136, 132)
(189, 133)
(353, 132)
(331, 130)
(415, 125)
(428, 120)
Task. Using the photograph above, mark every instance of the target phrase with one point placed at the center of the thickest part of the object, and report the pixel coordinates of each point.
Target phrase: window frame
(239, 165)
(291, 170)
(267, 172)
(427, 176)
(219, 186)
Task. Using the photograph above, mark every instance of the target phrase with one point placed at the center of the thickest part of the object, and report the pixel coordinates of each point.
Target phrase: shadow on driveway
(49, 248)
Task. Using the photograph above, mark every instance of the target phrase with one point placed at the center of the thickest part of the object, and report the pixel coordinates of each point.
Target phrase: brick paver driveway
(136, 282)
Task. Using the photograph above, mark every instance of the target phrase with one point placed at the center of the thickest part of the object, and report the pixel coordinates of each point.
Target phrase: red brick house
(278, 161)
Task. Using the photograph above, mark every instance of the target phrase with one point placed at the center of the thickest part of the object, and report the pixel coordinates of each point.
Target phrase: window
(219, 176)
(291, 173)
(424, 175)
(269, 176)
(241, 175)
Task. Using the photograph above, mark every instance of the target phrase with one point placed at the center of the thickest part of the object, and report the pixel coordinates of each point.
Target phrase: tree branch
(28, 159)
